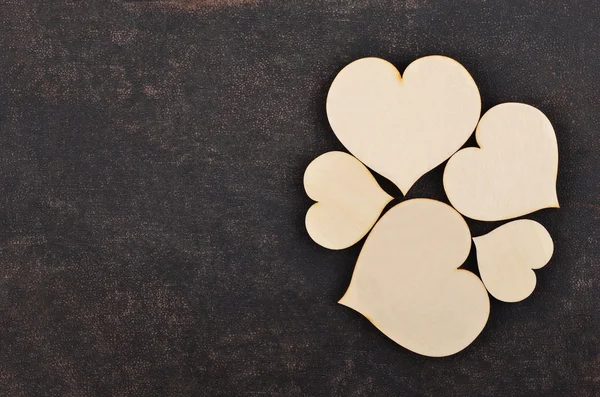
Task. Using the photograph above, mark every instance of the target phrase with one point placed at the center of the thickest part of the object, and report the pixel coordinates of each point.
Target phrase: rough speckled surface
(151, 217)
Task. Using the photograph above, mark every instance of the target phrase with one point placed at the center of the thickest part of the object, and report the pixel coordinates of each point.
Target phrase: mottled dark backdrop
(151, 202)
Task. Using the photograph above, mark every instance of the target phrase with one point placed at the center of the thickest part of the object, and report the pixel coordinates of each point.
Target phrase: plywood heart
(349, 200)
(403, 126)
(507, 255)
(407, 282)
(513, 173)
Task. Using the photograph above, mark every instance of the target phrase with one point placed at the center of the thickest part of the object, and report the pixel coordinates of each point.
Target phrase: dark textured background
(151, 202)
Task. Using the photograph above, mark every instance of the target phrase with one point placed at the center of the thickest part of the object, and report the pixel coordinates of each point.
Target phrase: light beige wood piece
(513, 173)
(402, 127)
(507, 255)
(406, 280)
(349, 200)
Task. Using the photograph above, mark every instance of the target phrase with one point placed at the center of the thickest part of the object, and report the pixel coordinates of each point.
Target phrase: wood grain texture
(349, 200)
(407, 282)
(514, 171)
(507, 256)
(152, 238)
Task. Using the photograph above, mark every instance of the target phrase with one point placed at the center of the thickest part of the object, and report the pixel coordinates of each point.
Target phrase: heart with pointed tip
(513, 173)
(403, 126)
(407, 282)
(349, 200)
(507, 255)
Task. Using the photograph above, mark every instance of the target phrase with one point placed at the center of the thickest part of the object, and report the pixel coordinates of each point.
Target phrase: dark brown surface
(151, 226)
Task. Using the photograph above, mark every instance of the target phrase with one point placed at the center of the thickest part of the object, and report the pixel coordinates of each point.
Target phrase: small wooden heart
(349, 200)
(507, 255)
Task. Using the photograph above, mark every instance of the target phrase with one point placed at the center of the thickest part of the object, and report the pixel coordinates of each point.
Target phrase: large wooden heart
(407, 281)
(403, 126)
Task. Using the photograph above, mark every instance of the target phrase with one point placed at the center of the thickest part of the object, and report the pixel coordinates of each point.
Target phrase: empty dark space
(152, 238)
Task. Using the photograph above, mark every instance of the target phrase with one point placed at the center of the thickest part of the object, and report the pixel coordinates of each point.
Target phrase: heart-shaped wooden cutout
(513, 173)
(406, 280)
(349, 200)
(507, 255)
(402, 127)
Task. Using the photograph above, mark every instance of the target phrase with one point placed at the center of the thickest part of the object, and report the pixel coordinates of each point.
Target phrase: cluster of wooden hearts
(406, 280)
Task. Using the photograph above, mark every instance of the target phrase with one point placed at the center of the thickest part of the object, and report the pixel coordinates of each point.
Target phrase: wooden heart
(507, 255)
(406, 280)
(402, 127)
(349, 200)
(513, 173)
